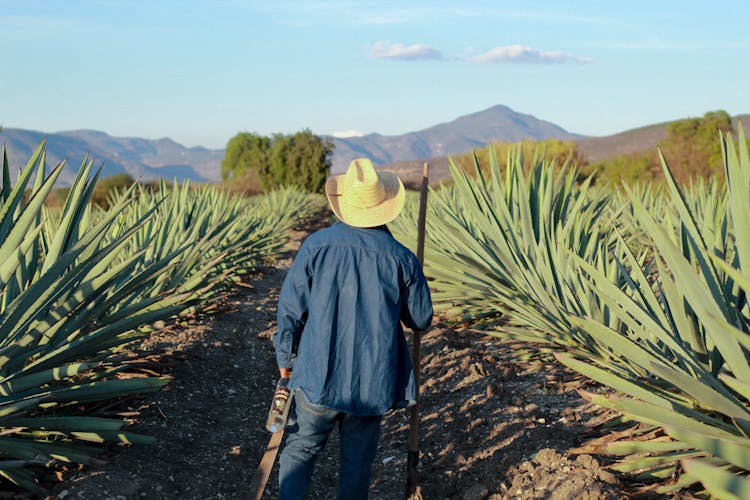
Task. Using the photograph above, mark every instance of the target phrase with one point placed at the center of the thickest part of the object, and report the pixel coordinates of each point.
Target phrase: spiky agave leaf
(38, 376)
(706, 331)
(656, 308)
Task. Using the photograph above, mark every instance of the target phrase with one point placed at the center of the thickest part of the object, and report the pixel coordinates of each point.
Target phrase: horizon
(348, 134)
(199, 72)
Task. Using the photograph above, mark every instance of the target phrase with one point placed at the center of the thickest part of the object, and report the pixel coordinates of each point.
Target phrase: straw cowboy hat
(363, 197)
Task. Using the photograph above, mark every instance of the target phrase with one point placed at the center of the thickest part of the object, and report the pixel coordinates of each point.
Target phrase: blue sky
(201, 71)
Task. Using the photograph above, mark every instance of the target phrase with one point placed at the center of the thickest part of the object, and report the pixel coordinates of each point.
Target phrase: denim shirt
(338, 319)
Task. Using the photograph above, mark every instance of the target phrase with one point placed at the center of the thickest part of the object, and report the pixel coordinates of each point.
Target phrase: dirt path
(491, 427)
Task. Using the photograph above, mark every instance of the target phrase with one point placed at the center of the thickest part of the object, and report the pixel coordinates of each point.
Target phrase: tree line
(692, 149)
(254, 162)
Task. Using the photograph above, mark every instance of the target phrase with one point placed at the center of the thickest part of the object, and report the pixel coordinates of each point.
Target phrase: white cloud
(504, 54)
(417, 52)
(523, 54)
(347, 133)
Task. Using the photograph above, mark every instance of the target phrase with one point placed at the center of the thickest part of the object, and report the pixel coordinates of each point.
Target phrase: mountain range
(144, 159)
(498, 123)
(148, 159)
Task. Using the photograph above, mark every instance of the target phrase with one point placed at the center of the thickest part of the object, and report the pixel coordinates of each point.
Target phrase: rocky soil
(497, 421)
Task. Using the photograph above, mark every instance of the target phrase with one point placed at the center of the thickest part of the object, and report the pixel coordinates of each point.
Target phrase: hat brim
(382, 213)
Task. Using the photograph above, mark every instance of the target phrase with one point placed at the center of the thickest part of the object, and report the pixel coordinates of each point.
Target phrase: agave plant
(79, 286)
(645, 295)
(290, 204)
(59, 331)
(690, 330)
(203, 237)
(499, 250)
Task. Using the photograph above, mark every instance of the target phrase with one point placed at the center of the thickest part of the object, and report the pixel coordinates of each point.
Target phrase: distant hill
(639, 139)
(144, 159)
(498, 123)
(148, 159)
(630, 141)
(592, 149)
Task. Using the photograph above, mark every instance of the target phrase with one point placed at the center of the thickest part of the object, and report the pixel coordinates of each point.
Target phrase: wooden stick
(412, 460)
(423, 190)
(260, 478)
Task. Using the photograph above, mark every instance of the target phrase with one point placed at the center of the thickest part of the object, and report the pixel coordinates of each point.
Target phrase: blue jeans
(306, 439)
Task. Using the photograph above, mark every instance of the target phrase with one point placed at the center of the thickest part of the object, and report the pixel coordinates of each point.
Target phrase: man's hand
(285, 372)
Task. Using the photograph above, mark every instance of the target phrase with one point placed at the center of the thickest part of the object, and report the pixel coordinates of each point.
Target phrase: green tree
(302, 159)
(277, 174)
(642, 166)
(692, 146)
(245, 151)
(107, 185)
(692, 149)
(308, 161)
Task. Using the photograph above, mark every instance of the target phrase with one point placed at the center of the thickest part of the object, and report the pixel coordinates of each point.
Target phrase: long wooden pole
(260, 478)
(412, 460)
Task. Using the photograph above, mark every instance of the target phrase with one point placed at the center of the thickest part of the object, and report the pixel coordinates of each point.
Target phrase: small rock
(465, 364)
(494, 390)
(608, 477)
(478, 370)
(530, 408)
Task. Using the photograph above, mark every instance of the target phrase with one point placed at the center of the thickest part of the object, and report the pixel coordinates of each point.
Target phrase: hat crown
(363, 186)
(364, 197)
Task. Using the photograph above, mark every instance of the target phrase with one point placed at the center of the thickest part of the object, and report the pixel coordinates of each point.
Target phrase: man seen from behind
(339, 332)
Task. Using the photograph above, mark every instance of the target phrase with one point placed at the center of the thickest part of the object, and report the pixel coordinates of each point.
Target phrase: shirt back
(339, 319)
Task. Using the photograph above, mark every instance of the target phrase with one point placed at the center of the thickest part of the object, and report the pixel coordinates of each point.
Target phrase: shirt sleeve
(416, 309)
(292, 310)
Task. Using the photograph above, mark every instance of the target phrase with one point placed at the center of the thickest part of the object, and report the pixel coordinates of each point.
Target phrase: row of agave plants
(643, 290)
(80, 285)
